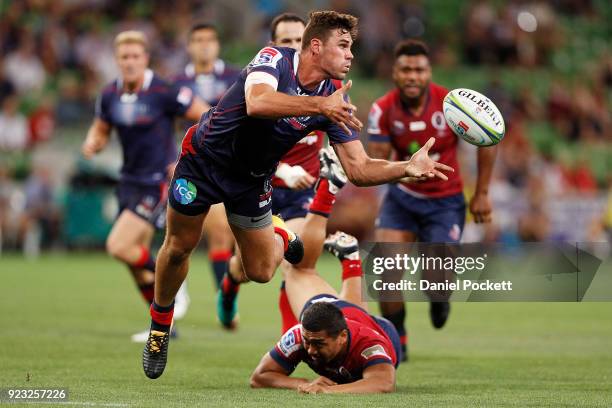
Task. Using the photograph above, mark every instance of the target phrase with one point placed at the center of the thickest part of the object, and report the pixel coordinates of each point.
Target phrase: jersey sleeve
(178, 99)
(288, 351)
(102, 107)
(265, 68)
(378, 130)
(374, 353)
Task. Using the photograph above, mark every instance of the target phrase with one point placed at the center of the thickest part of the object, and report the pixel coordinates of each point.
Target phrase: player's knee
(260, 271)
(178, 249)
(116, 248)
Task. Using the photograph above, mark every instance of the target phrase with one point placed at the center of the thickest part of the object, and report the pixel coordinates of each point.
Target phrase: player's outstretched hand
(421, 167)
(340, 111)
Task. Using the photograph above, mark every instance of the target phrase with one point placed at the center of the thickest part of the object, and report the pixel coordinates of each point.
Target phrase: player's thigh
(395, 222)
(394, 235)
(302, 285)
(216, 228)
(183, 231)
(257, 248)
(446, 221)
(129, 230)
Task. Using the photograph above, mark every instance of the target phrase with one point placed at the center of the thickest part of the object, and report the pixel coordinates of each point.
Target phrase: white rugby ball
(473, 117)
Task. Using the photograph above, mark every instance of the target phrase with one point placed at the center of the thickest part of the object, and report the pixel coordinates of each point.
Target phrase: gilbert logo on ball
(184, 191)
(473, 117)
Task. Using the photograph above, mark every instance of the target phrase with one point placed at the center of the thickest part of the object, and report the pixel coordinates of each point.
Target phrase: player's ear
(315, 46)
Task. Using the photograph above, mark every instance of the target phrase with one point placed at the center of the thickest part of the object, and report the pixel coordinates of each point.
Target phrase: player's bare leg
(395, 312)
(220, 241)
(129, 242)
(259, 252)
(182, 236)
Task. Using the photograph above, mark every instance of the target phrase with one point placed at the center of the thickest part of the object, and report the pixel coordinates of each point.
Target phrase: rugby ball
(473, 117)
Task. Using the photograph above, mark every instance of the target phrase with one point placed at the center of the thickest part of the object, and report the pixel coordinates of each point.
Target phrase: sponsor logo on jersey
(184, 96)
(373, 351)
(288, 344)
(184, 191)
(417, 126)
(399, 125)
(438, 122)
(267, 57)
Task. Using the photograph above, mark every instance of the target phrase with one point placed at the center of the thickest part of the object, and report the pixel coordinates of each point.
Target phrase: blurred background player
(400, 123)
(209, 77)
(351, 350)
(141, 107)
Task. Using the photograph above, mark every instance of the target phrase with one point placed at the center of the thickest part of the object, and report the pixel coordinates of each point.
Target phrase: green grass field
(66, 322)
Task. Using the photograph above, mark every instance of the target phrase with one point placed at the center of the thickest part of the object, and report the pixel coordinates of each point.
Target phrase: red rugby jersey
(368, 345)
(390, 121)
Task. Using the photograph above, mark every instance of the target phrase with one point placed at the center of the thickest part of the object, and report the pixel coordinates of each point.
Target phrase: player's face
(336, 55)
(289, 34)
(411, 74)
(132, 60)
(322, 348)
(204, 46)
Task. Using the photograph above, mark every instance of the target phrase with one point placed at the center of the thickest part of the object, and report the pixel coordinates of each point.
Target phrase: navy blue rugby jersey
(254, 146)
(145, 124)
(209, 87)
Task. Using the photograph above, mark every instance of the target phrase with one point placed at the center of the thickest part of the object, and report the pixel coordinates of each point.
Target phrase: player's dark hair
(202, 26)
(322, 23)
(282, 18)
(410, 48)
(324, 316)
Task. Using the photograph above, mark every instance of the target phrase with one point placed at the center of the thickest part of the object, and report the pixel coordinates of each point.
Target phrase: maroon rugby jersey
(391, 121)
(368, 345)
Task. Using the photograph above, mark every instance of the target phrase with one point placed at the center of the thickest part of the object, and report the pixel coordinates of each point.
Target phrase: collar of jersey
(218, 68)
(146, 82)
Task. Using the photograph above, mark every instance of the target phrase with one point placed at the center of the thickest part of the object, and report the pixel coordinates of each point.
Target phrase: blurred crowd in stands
(56, 55)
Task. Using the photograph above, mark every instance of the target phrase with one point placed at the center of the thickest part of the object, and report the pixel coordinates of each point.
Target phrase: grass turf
(66, 322)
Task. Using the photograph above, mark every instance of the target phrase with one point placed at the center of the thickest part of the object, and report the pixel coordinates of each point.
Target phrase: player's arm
(363, 170)
(196, 110)
(480, 204)
(263, 101)
(270, 374)
(97, 138)
(377, 378)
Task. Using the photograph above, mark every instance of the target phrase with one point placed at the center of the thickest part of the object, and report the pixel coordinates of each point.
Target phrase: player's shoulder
(388, 99)
(158, 81)
(225, 69)
(437, 90)
(291, 341)
(367, 342)
(271, 55)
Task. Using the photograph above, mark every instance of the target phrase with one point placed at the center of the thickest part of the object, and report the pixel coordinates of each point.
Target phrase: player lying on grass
(351, 350)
